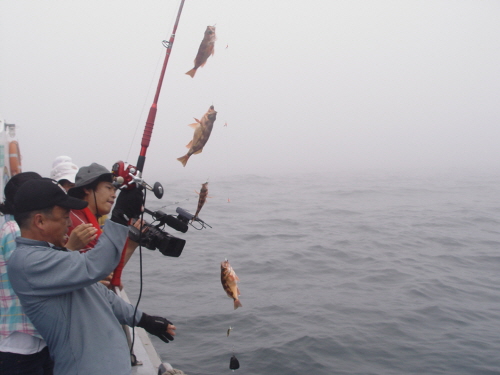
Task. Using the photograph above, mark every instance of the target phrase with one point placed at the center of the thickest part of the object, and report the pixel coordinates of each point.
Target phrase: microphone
(170, 220)
(175, 223)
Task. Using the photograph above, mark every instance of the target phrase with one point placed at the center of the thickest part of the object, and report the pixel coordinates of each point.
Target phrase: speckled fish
(201, 200)
(205, 51)
(202, 131)
(230, 283)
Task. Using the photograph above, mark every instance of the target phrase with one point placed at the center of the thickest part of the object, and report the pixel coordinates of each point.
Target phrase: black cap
(43, 193)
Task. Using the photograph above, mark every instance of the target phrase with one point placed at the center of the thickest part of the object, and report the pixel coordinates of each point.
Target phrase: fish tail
(183, 159)
(237, 304)
(192, 72)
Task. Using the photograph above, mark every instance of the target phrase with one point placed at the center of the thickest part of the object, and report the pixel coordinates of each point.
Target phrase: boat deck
(143, 349)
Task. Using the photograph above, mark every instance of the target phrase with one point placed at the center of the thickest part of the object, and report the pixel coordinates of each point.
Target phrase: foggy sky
(302, 85)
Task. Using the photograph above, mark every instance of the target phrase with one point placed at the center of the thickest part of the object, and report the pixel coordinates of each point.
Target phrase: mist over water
(342, 274)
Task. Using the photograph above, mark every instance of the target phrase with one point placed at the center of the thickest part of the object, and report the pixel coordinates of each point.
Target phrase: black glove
(128, 205)
(156, 325)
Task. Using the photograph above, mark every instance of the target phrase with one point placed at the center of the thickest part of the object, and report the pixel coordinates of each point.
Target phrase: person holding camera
(78, 317)
(22, 348)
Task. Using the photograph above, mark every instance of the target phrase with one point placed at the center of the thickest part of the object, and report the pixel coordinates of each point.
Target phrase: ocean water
(339, 274)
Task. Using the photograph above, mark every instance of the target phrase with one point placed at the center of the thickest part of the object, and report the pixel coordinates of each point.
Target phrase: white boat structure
(10, 155)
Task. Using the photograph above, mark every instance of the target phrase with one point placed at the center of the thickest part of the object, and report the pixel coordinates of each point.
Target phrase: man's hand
(129, 204)
(81, 236)
(158, 326)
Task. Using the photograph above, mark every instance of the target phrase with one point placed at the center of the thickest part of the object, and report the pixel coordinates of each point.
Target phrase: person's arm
(51, 272)
(124, 312)
(47, 272)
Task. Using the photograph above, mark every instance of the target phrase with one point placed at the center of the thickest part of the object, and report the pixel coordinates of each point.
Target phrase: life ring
(14, 158)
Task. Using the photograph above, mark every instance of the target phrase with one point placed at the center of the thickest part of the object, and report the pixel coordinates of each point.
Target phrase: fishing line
(140, 276)
(160, 56)
(145, 101)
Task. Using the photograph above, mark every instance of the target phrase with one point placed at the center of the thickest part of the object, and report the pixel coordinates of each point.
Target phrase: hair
(80, 192)
(23, 219)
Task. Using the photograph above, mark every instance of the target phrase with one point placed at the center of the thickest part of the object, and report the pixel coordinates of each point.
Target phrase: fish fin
(194, 125)
(198, 121)
(192, 72)
(183, 159)
(237, 304)
(189, 144)
(197, 152)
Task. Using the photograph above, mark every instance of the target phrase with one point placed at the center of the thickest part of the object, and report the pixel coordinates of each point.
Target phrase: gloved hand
(156, 325)
(128, 205)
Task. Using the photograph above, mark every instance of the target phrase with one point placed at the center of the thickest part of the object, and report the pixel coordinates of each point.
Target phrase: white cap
(61, 159)
(63, 169)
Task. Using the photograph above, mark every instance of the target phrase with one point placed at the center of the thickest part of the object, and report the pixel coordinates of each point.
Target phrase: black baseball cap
(43, 193)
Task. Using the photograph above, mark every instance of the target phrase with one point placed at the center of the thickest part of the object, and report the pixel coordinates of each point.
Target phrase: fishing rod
(129, 176)
(150, 122)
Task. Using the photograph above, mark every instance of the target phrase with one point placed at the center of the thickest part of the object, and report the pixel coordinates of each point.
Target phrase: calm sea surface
(340, 274)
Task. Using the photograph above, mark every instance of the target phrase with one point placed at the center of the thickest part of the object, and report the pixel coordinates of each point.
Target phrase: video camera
(154, 237)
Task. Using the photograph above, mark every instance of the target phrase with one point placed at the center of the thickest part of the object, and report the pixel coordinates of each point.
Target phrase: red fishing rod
(128, 175)
(150, 122)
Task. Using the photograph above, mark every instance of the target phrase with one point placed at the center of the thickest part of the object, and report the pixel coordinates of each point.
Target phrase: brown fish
(206, 49)
(202, 131)
(201, 200)
(229, 282)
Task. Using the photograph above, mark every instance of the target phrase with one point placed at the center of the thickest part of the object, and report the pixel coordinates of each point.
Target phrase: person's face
(105, 195)
(56, 226)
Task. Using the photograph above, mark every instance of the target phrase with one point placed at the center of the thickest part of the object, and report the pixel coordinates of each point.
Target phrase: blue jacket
(78, 317)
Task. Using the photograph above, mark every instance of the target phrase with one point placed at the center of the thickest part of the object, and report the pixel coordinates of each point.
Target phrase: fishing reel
(128, 177)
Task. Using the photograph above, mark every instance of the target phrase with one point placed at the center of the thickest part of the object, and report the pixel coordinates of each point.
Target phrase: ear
(38, 221)
(87, 191)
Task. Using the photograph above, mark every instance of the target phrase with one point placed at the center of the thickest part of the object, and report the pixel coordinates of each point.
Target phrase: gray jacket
(78, 317)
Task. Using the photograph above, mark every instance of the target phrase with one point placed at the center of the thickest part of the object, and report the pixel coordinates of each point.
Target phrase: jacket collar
(30, 242)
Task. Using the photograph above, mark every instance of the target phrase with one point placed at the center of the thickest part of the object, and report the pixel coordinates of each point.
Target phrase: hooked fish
(230, 283)
(206, 49)
(202, 131)
(201, 200)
